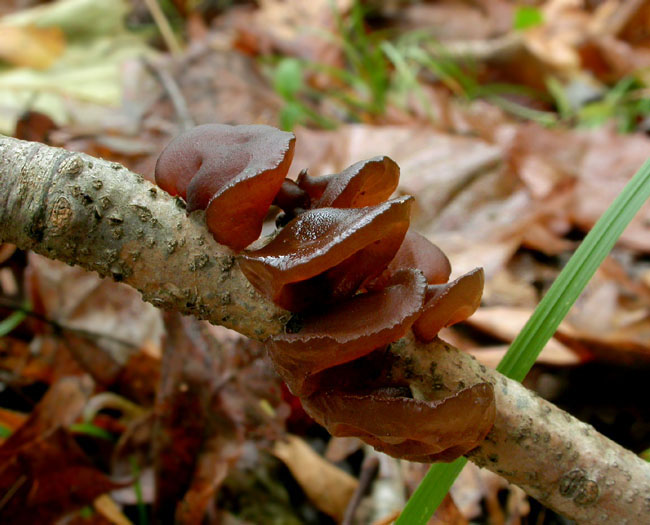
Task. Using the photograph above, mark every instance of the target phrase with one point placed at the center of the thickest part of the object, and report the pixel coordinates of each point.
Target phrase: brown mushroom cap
(327, 253)
(365, 183)
(234, 172)
(418, 252)
(449, 303)
(348, 330)
(408, 428)
(291, 198)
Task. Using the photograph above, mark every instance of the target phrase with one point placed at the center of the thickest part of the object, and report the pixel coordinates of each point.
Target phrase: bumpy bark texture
(97, 214)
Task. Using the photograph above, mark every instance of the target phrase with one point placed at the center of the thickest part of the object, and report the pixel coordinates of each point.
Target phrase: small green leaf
(290, 115)
(91, 429)
(287, 78)
(5, 432)
(527, 16)
(143, 516)
(11, 322)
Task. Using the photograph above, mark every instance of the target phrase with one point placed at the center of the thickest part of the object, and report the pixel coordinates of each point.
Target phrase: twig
(98, 215)
(163, 26)
(369, 470)
(173, 92)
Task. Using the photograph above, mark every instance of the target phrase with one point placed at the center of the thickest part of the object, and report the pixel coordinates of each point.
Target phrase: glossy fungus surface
(348, 330)
(291, 198)
(233, 172)
(450, 303)
(327, 253)
(418, 252)
(408, 428)
(365, 183)
(359, 280)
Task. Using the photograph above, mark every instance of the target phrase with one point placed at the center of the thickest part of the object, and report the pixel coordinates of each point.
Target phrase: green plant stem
(525, 349)
(11, 322)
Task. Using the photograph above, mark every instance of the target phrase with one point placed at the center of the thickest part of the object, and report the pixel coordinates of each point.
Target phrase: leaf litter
(508, 179)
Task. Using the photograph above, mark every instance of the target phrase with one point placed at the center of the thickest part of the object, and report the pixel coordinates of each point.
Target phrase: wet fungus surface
(345, 262)
(232, 172)
(332, 337)
(327, 253)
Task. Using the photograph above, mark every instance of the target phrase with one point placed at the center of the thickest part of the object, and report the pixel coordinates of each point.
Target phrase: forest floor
(515, 126)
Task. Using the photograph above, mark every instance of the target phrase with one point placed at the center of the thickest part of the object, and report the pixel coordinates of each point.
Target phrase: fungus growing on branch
(327, 253)
(232, 172)
(408, 428)
(365, 183)
(450, 303)
(418, 252)
(347, 330)
(292, 199)
(346, 261)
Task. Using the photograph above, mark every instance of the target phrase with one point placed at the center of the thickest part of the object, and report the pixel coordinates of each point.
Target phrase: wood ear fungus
(448, 304)
(408, 428)
(346, 260)
(327, 253)
(232, 172)
(365, 183)
(348, 330)
(418, 252)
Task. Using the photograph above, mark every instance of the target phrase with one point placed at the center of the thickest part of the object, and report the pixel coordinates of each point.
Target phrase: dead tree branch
(97, 214)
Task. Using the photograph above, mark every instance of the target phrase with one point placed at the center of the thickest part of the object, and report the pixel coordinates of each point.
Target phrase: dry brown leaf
(326, 486)
(30, 46)
(109, 322)
(609, 163)
(105, 506)
(554, 354)
(6, 251)
(11, 420)
(295, 28)
(43, 472)
(195, 442)
(505, 323)
(448, 514)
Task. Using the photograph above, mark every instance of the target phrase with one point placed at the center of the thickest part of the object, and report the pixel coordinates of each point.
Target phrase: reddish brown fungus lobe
(327, 253)
(348, 330)
(365, 183)
(233, 172)
(448, 304)
(418, 252)
(408, 428)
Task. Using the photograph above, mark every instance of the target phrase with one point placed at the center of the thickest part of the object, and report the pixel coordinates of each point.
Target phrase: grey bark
(86, 211)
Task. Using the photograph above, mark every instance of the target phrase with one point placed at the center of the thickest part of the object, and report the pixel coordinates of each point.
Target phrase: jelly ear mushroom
(450, 303)
(417, 252)
(326, 254)
(232, 172)
(365, 183)
(407, 428)
(347, 331)
(292, 200)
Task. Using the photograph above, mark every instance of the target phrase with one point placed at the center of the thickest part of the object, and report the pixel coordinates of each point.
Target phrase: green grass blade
(11, 322)
(541, 326)
(554, 306)
(430, 493)
(91, 429)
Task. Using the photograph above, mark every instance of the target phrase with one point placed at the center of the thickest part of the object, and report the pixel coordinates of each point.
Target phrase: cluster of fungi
(357, 279)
